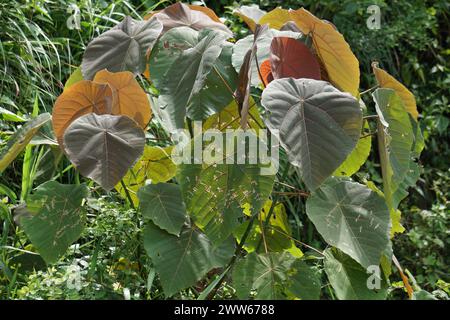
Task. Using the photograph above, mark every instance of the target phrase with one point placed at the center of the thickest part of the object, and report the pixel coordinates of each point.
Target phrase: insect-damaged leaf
(57, 218)
(182, 261)
(195, 17)
(214, 191)
(349, 280)
(385, 80)
(79, 99)
(188, 74)
(351, 217)
(317, 124)
(163, 204)
(340, 63)
(242, 92)
(103, 147)
(19, 140)
(292, 58)
(123, 48)
(129, 98)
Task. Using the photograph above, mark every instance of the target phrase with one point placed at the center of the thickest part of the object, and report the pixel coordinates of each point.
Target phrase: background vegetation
(38, 53)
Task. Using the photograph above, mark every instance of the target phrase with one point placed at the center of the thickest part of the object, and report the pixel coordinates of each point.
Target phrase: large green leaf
(163, 204)
(317, 125)
(349, 279)
(265, 273)
(19, 140)
(103, 147)
(214, 191)
(182, 261)
(402, 141)
(304, 283)
(351, 217)
(123, 48)
(187, 76)
(57, 218)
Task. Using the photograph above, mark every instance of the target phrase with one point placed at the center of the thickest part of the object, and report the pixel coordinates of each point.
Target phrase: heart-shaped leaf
(317, 124)
(123, 48)
(103, 147)
(265, 273)
(292, 58)
(339, 61)
(349, 279)
(163, 204)
(56, 219)
(351, 217)
(79, 99)
(195, 17)
(129, 98)
(187, 75)
(182, 260)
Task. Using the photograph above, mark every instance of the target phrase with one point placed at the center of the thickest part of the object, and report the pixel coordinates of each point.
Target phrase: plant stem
(127, 193)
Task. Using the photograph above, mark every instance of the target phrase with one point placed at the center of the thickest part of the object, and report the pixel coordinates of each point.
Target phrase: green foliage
(181, 240)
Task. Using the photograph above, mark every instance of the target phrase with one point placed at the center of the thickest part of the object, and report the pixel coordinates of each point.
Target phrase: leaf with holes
(317, 125)
(163, 204)
(103, 147)
(351, 217)
(123, 48)
(57, 218)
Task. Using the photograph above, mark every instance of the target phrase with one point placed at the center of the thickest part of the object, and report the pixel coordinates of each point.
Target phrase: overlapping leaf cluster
(310, 101)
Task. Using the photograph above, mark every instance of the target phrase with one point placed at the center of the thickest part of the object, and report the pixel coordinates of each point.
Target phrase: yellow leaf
(338, 59)
(385, 80)
(154, 165)
(276, 18)
(396, 225)
(130, 99)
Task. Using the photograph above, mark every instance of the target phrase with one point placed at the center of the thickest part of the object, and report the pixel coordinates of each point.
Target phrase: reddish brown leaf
(290, 58)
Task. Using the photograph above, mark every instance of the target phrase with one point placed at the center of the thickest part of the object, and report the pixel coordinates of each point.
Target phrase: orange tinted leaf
(292, 58)
(130, 98)
(339, 61)
(266, 72)
(385, 80)
(79, 99)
